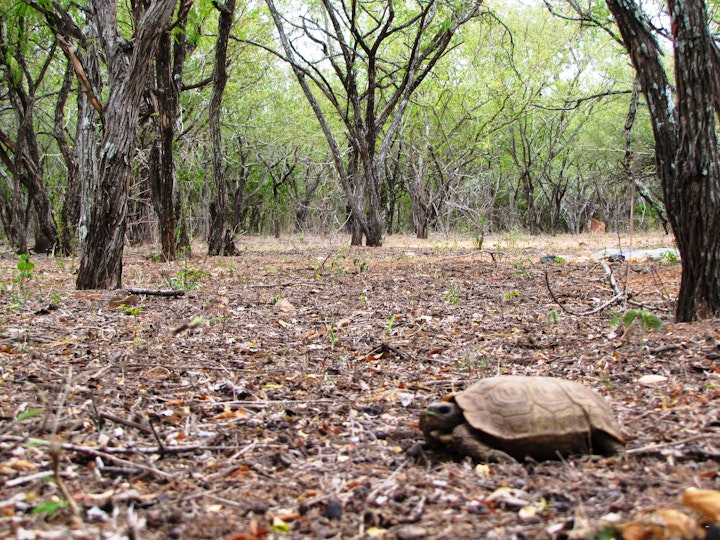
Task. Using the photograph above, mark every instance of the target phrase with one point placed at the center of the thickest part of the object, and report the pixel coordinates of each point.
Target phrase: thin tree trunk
(163, 184)
(13, 207)
(70, 213)
(219, 241)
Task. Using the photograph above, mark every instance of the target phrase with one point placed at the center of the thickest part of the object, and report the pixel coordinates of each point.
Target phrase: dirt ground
(279, 396)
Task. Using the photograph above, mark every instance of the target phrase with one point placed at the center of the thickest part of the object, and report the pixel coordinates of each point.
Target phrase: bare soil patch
(279, 396)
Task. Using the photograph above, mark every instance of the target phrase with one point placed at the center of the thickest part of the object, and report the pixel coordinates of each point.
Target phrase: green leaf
(629, 316)
(49, 507)
(30, 413)
(279, 526)
(651, 321)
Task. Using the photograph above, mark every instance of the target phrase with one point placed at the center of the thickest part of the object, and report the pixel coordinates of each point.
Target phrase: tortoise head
(440, 418)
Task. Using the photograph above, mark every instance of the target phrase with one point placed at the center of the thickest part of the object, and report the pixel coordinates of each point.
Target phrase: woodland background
(527, 122)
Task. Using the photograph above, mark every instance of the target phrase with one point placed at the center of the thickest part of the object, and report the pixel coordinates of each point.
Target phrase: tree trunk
(181, 49)
(420, 221)
(25, 165)
(12, 210)
(88, 136)
(169, 69)
(31, 177)
(163, 184)
(101, 261)
(218, 234)
(685, 143)
(70, 213)
(693, 199)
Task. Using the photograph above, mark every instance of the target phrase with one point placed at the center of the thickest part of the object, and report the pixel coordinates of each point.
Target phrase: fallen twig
(387, 348)
(30, 478)
(611, 278)
(659, 446)
(59, 482)
(617, 297)
(109, 450)
(156, 292)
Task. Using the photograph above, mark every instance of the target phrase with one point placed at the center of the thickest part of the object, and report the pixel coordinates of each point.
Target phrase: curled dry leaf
(237, 414)
(663, 524)
(130, 300)
(284, 306)
(703, 501)
(649, 380)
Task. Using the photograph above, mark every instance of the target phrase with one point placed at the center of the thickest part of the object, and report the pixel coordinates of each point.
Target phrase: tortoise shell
(539, 417)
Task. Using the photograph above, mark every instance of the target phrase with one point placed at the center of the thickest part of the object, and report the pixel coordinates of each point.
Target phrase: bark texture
(694, 199)
(129, 65)
(219, 238)
(685, 141)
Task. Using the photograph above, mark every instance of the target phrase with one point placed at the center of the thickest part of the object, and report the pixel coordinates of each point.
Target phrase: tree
(23, 78)
(165, 99)
(686, 151)
(378, 53)
(433, 156)
(129, 64)
(219, 238)
(82, 161)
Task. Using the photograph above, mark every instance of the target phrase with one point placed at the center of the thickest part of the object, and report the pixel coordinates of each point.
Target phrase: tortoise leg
(607, 446)
(467, 443)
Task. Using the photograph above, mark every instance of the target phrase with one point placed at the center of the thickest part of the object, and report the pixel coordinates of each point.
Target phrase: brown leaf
(663, 524)
(130, 300)
(284, 306)
(703, 501)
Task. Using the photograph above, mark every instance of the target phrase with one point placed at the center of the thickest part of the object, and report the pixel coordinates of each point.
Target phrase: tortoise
(515, 417)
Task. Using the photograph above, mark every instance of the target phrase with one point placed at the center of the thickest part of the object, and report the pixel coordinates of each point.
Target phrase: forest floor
(279, 397)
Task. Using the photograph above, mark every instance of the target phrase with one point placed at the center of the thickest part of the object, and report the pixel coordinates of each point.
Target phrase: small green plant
(333, 338)
(522, 267)
(510, 295)
(362, 265)
(648, 321)
(188, 278)
(335, 263)
(389, 325)
(452, 295)
(226, 265)
(553, 317)
(479, 239)
(29, 413)
(25, 267)
(608, 533)
(49, 508)
(133, 311)
(512, 238)
(469, 365)
(560, 259)
(606, 382)
(669, 258)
